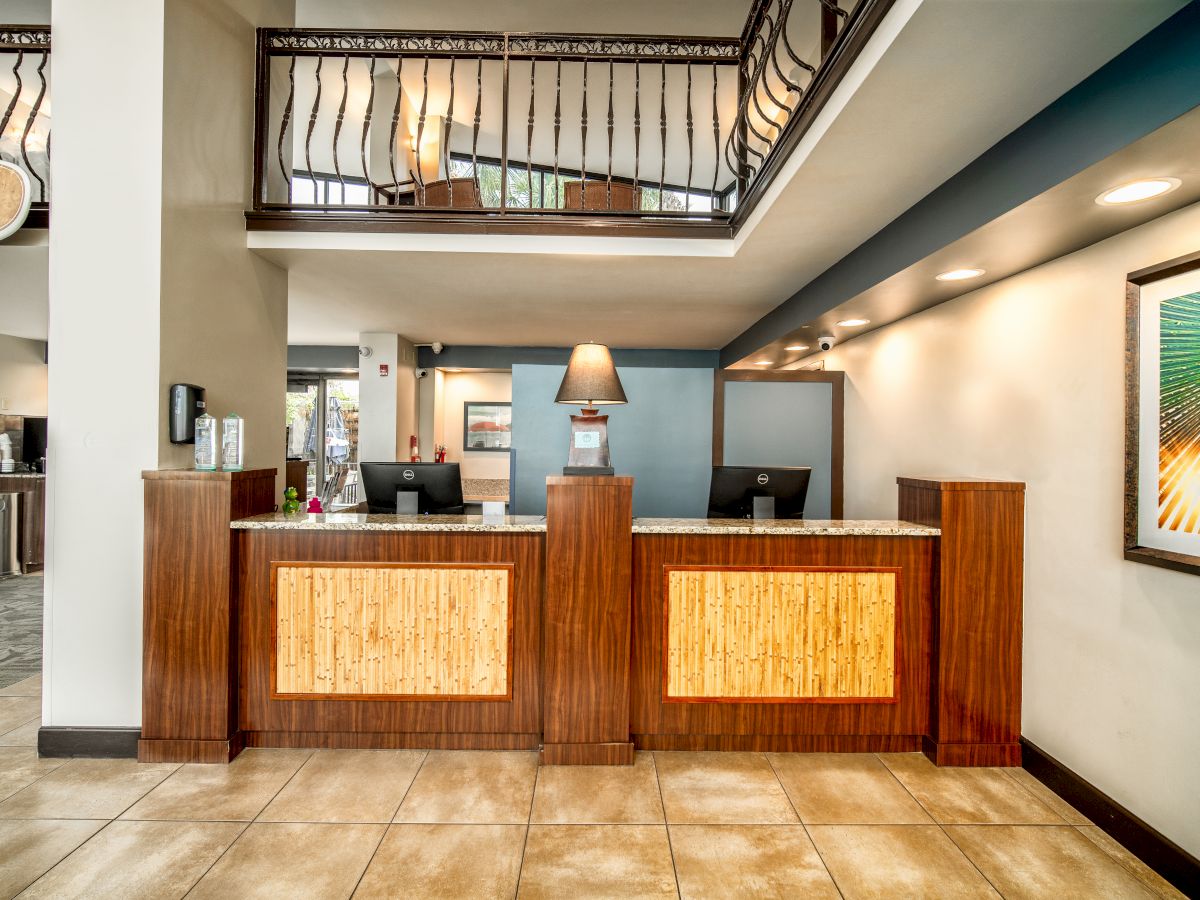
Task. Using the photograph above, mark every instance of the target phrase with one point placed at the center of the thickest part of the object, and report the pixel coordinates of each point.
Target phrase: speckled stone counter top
(862, 527)
(21, 475)
(480, 489)
(366, 522)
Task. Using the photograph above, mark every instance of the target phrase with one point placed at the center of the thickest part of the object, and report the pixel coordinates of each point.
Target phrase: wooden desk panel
(481, 723)
(668, 724)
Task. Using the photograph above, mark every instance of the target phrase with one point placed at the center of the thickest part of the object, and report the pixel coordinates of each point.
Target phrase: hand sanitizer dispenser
(186, 405)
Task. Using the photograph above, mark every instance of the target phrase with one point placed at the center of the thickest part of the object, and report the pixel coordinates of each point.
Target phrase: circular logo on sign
(15, 198)
(409, 475)
(762, 478)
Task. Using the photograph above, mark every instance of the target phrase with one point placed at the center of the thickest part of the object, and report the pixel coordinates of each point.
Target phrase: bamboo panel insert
(393, 630)
(785, 634)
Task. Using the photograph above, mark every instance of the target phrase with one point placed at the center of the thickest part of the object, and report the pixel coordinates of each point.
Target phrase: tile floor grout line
(387, 826)
(1119, 861)
(940, 826)
(804, 825)
(67, 856)
(408, 790)
(528, 827)
(220, 856)
(666, 825)
(312, 752)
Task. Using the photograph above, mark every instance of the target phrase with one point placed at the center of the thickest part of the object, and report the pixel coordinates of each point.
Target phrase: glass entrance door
(322, 429)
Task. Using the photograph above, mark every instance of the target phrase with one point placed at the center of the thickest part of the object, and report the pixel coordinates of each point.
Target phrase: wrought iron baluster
(769, 53)
(662, 128)
(395, 127)
(446, 136)
(529, 135)
(478, 117)
(283, 127)
(312, 124)
(637, 123)
(557, 123)
(785, 13)
(583, 147)
(33, 114)
(716, 139)
(337, 128)
(608, 184)
(362, 147)
(12, 105)
(421, 127)
(687, 191)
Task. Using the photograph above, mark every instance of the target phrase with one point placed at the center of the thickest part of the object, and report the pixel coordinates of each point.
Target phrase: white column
(387, 397)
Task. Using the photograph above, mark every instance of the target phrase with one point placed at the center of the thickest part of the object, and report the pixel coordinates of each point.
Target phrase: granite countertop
(21, 475)
(481, 489)
(369, 522)
(851, 527)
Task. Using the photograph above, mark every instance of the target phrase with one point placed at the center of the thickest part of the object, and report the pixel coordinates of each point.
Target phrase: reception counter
(585, 633)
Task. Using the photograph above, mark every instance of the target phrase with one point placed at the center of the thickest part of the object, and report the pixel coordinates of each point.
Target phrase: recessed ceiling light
(796, 347)
(853, 323)
(762, 362)
(959, 274)
(1142, 189)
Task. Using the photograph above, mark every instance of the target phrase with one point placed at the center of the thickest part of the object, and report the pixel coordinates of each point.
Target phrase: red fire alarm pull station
(383, 370)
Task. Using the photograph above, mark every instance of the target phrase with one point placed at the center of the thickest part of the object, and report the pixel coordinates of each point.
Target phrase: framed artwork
(1162, 415)
(487, 427)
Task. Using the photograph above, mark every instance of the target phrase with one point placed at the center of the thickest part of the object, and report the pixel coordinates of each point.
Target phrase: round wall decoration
(16, 195)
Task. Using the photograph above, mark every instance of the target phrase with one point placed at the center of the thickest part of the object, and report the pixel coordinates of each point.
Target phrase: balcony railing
(506, 131)
(25, 110)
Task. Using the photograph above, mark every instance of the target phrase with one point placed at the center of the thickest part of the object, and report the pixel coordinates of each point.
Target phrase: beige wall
(461, 388)
(1024, 380)
(23, 376)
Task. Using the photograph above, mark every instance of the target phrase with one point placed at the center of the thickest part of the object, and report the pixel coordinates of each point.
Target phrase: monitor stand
(406, 503)
(764, 507)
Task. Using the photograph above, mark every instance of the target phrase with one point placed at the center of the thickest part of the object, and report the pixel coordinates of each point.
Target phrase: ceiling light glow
(795, 347)
(762, 362)
(1136, 191)
(959, 274)
(853, 323)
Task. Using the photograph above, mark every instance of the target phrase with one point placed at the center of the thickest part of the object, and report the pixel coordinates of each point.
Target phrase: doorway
(325, 405)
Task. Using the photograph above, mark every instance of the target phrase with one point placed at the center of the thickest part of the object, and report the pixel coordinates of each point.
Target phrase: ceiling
(949, 81)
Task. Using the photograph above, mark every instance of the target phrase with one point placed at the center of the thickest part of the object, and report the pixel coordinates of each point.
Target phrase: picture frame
(1162, 415)
(487, 426)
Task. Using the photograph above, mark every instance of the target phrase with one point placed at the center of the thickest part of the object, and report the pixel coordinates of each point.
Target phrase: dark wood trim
(782, 743)
(968, 754)
(1144, 841)
(666, 635)
(38, 218)
(1134, 282)
(401, 220)
(90, 743)
(837, 454)
(262, 102)
(189, 751)
(276, 694)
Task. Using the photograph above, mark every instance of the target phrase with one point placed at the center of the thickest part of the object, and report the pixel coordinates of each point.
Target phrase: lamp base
(588, 470)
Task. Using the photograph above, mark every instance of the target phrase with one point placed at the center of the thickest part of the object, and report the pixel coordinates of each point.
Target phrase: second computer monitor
(732, 491)
(438, 486)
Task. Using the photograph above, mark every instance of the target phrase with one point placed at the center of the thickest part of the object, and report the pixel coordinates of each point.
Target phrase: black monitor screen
(438, 486)
(732, 491)
(33, 439)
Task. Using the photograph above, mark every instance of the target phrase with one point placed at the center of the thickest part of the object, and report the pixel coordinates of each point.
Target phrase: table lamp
(591, 380)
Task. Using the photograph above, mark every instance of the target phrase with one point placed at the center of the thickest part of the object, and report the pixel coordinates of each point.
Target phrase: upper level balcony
(25, 111)
(502, 132)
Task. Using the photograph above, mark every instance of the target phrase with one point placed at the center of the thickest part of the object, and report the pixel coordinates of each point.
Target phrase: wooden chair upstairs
(600, 194)
(464, 192)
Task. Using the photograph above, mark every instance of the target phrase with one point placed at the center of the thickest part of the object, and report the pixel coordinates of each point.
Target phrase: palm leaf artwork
(1179, 415)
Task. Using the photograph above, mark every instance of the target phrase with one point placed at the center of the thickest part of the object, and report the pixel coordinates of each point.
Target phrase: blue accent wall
(662, 437)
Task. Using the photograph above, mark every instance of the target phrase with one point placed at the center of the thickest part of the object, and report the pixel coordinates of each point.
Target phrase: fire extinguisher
(414, 452)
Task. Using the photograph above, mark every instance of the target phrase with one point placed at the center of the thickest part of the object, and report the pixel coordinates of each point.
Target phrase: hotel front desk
(586, 633)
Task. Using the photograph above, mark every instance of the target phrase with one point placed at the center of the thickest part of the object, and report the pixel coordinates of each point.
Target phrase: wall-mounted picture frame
(487, 427)
(1162, 415)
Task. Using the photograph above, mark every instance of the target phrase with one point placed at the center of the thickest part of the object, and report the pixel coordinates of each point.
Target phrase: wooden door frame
(837, 455)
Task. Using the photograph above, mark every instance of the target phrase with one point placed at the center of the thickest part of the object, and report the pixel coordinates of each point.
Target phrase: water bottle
(232, 444)
(206, 443)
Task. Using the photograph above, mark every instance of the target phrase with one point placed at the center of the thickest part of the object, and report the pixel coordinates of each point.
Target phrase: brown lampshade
(591, 378)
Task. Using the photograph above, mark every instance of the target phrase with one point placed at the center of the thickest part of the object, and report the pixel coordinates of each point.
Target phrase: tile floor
(456, 824)
(20, 628)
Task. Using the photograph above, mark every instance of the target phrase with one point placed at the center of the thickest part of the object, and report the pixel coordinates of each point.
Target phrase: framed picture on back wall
(487, 426)
(1162, 415)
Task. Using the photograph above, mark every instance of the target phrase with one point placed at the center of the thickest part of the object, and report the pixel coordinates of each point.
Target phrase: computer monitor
(732, 491)
(438, 486)
(33, 439)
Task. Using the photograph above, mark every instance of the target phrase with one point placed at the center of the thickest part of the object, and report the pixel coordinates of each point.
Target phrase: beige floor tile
(272, 860)
(1060, 806)
(885, 861)
(132, 860)
(1139, 869)
(1024, 861)
(422, 862)
(467, 786)
(16, 711)
(86, 789)
(968, 796)
(236, 792)
(721, 789)
(599, 795)
(23, 735)
(751, 861)
(845, 789)
(346, 786)
(28, 849)
(28, 687)
(20, 766)
(585, 861)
